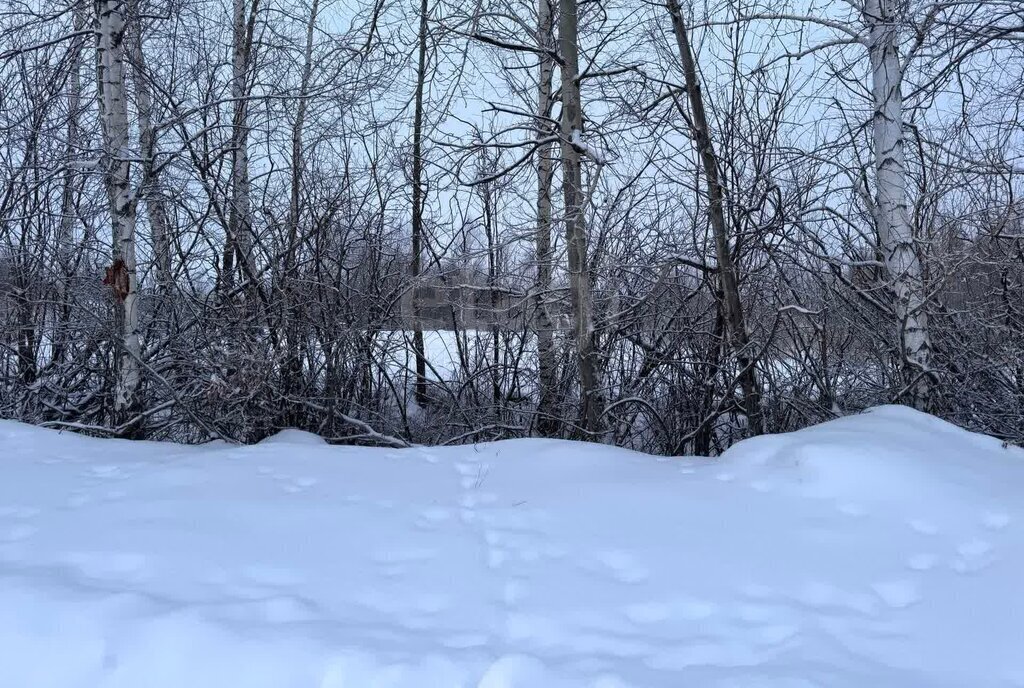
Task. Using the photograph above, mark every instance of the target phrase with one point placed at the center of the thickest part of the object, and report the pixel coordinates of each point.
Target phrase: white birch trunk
(155, 207)
(892, 215)
(546, 422)
(74, 143)
(575, 229)
(71, 184)
(239, 241)
(114, 116)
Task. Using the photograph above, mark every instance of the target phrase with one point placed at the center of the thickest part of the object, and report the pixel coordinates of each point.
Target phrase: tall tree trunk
(74, 142)
(239, 240)
(70, 187)
(547, 424)
(117, 178)
(24, 261)
(491, 231)
(155, 207)
(892, 215)
(575, 229)
(415, 268)
(727, 275)
(292, 360)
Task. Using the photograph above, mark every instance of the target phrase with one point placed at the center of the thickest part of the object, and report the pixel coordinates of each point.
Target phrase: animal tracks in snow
(619, 565)
(973, 556)
(898, 594)
(922, 562)
(995, 520)
(556, 564)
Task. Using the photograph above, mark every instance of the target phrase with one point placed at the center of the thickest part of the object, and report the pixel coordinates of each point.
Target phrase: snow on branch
(598, 156)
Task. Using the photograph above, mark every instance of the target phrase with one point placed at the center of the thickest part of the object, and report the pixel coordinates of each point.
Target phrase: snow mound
(883, 549)
(291, 436)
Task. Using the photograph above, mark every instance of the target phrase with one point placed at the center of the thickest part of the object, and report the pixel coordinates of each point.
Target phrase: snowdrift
(884, 549)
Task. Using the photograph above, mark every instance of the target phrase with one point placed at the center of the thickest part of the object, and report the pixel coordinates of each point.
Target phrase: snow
(883, 549)
(441, 348)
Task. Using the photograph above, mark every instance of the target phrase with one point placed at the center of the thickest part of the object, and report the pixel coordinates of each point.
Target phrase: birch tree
(117, 156)
(570, 143)
(238, 244)
(543, 254)
(281, 169)
(156, 208)
(892, 213)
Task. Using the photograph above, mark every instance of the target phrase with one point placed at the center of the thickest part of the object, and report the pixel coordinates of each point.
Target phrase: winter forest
(661, 225)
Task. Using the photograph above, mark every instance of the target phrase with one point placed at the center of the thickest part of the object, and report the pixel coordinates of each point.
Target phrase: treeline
(666, 227)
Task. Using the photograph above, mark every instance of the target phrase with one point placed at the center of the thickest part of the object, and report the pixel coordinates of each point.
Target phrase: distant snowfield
(885, 549)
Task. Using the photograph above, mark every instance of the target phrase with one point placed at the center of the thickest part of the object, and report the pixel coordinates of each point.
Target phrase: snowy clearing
(885, 549)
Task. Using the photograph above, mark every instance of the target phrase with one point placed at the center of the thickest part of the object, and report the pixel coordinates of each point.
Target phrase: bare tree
(728, 280)
(117, 156)
(546, 374)
(574, 205)
(238, 244)
(415, 266)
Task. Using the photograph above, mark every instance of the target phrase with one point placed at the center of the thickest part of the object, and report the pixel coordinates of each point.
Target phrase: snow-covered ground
(885, 549)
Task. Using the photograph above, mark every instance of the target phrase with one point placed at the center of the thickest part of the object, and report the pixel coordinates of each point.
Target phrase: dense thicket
(665, 226)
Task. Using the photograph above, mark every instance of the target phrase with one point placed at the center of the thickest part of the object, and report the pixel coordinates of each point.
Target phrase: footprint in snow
(513, 592)
(110, 565)
(17, 533)
(819, 595)
(275, 576)
(78, 499)
(470, 501)
(922, 562)
(974, 555)
(898, 594)
(465, 641)
(19, 511)
(644, 613)
(108, 471)
(755, 613)
(431, 603)
(403, 555)
(467, 469)
(756, 591)
(300, 484)
(622, 566)
(286, 609)
(851, 509)
(774, 634)
(923, 526)
(496, 558)
(995, 520)
(436, 514)
(431, 518)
